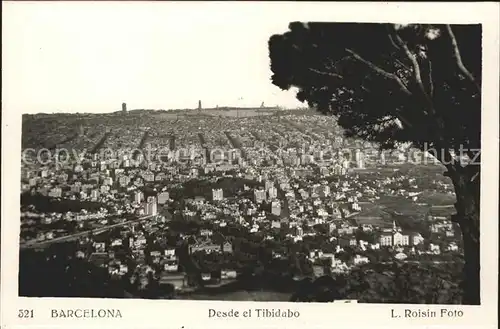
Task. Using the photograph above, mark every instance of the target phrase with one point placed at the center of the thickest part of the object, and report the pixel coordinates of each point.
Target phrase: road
(46, 243)
(420, 262)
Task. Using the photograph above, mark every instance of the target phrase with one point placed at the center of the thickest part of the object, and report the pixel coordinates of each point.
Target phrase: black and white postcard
(184, 165)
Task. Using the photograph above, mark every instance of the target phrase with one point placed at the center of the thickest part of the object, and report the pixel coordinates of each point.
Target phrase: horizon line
(226, 107)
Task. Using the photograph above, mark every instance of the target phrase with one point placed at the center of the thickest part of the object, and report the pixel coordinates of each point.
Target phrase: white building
(358, 260)
(217, 194)
(260, 195)
(276, 208)
(163, 197)
(417, 239)
(151, 206)
(138, 197)
(273, 193)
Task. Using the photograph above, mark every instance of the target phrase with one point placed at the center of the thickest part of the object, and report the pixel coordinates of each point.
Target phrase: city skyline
(164, 155)
(196, 224)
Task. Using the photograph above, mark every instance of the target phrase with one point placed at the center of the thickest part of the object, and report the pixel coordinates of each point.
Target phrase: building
(147, 175)
(359, 159)
(268, 185)
(441, 226)
(382, 157)
(336, 213)
(163, 197)
(323, 171)
(100, 247)
(331, 228)
(151, 206)
(325, 191)
(396, 237)
(206, 246)
(417, 239)
(260, 195)
(170, 253)
(124, 181)
(399, 239)
(276, 208)
(318, 271)
(358, 260)
(56, 192)
(273, 193)
(94, 195)
(227, 247)
(217, 194)
(171, 266)
(138, 196)
(346, 229)
(385, 239)
(124, 107)
(228, 274)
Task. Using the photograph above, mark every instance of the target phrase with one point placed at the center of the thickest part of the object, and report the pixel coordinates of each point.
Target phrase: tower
(124, 107)
(199, 105)
(151, 206)
(382, 157)
(359, 159)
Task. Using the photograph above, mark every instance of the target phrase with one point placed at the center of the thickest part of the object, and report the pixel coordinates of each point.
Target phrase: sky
(86, 56)
(91, 57)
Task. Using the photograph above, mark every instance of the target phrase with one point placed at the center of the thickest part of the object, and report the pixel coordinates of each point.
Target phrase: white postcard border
(194, 314)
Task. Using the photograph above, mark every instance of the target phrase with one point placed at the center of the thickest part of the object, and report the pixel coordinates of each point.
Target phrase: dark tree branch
(475, 176)
(401, 63)
(398, 115)
(392, 41)
(391, 119)
(418, 77)
(444, 156)
(364, 88)
(431, 83)
(332, 63)
(385, 120)
(416, 69)
(326, 73)
(458, 58)
(404, 120)
(381, 71)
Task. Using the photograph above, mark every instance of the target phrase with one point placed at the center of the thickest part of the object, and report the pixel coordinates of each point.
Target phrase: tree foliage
(386, 283)
(386, 83)
(391, 84)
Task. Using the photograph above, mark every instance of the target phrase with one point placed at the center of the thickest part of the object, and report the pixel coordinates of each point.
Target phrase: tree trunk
(467, 192)
(472, 265)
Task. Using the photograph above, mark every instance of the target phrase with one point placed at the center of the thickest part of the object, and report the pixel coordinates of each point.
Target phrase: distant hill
(185, 110)
(228, 108)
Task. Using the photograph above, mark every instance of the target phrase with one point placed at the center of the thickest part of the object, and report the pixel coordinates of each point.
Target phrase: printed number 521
(25, 314)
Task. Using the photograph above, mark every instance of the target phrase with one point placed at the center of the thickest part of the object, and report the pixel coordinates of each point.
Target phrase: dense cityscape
(231, 204)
